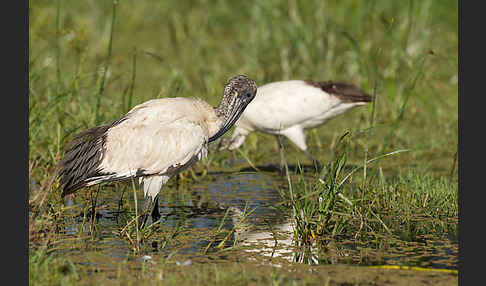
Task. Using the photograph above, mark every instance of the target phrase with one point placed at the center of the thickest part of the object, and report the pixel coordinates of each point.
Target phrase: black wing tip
(69, 185)
(344, 91)
(367, 97)
(81, 159)
(67, 190)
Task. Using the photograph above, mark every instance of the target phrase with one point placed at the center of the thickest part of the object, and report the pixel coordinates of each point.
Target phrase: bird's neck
(223, 112)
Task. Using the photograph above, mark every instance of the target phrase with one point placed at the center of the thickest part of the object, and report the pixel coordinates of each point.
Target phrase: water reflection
(268, 231)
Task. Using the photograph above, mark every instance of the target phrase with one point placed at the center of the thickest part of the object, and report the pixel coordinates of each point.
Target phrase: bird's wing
(152, 140)
(286, 104)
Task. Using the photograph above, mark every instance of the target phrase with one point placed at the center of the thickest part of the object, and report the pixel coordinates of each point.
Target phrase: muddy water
(192, 214)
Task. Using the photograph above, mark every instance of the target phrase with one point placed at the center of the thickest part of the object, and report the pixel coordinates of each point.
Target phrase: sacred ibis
(286, 108)
(154, 141)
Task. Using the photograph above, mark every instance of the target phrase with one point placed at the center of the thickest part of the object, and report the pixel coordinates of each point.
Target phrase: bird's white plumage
(287, 108)
(153, 184)
(157, 135)
(152, 142)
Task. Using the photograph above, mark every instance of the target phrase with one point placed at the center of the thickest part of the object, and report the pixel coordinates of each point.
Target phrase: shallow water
(192, 213)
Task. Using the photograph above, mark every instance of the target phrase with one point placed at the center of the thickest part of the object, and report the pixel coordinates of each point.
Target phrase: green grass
(340, 202)
(51, 270)
(91, 61)
(56, 270)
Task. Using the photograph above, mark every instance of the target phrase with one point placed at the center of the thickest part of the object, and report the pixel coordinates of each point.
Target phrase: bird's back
(283, 104)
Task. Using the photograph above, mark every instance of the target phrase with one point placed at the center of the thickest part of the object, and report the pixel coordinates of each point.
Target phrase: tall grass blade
(399, 117)
(247, 159)
(58, 58)
(58, 48)
(136, 211)
(134, 73)
(372, 121)
(107, 64)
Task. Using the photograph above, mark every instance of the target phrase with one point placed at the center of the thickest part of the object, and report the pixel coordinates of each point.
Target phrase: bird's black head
(241, 88)
(238, 93)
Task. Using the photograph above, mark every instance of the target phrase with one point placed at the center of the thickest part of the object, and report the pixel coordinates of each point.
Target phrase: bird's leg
(178, 180)
(281, 142)
(147, 210)
(155, 218)
(155, 212)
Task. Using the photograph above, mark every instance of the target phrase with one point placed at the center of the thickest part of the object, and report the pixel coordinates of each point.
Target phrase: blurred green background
(404, 52)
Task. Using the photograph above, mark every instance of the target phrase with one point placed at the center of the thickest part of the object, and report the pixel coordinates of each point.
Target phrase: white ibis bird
(152, 142)
(286, 108)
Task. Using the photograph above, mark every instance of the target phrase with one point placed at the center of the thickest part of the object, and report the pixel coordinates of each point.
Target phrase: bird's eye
(248, 94)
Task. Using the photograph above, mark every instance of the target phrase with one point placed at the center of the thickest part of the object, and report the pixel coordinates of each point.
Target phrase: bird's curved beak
(233, 118)
(240, 105)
